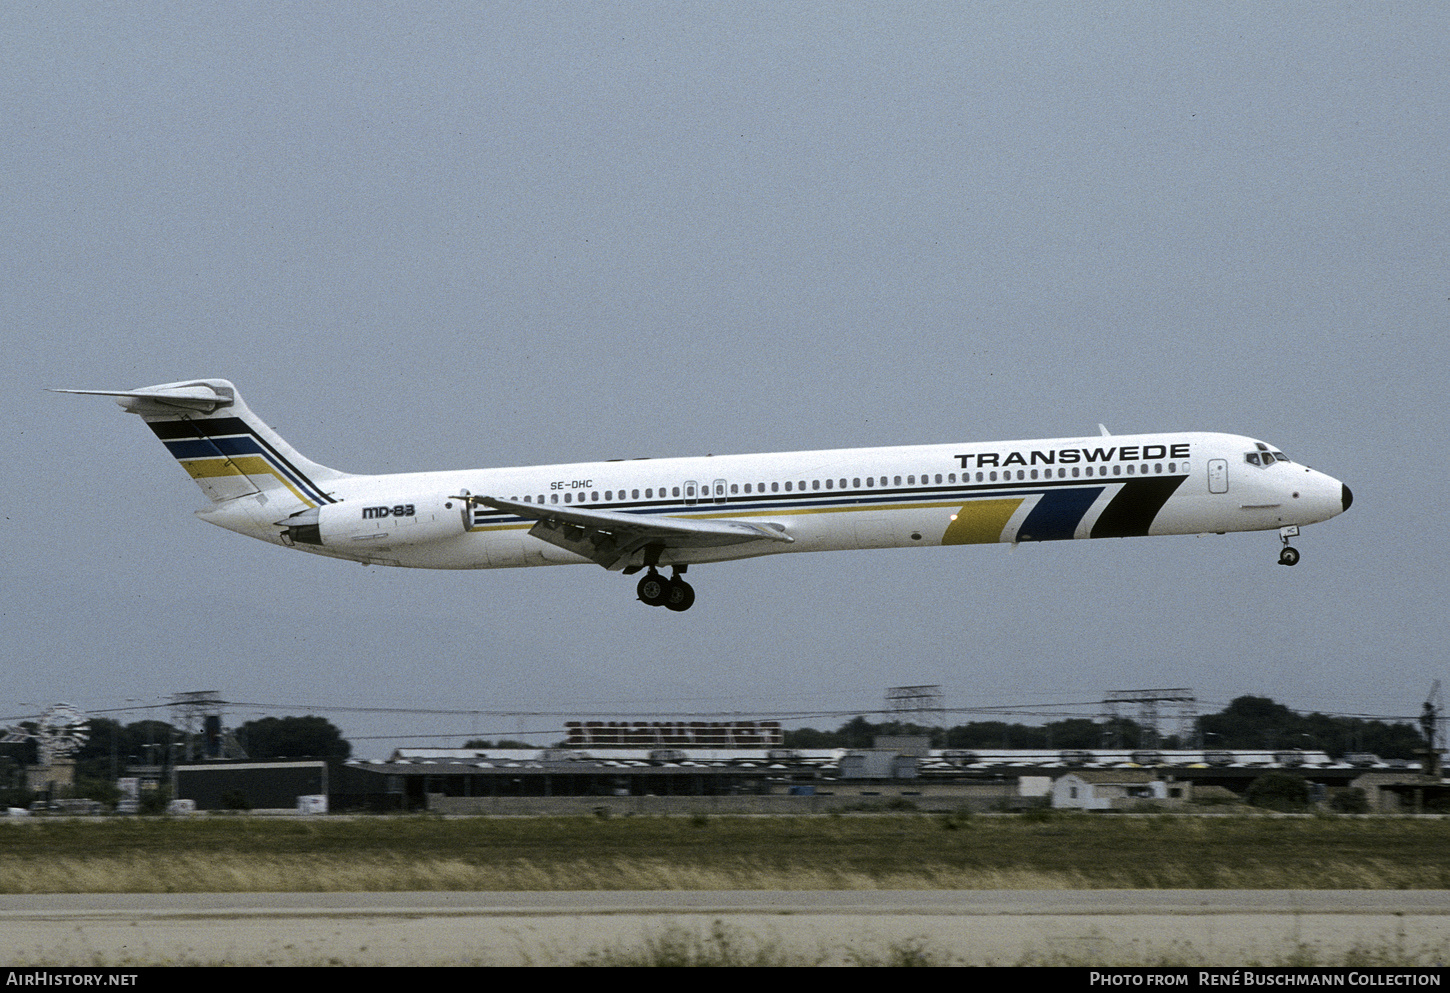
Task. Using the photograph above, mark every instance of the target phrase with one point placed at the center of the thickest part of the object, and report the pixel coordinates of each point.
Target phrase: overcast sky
(429, 236)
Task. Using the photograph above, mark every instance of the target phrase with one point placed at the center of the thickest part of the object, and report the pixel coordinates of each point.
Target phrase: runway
(1079, 927)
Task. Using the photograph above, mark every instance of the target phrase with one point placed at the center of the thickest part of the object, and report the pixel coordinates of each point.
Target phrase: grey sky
(451, 235)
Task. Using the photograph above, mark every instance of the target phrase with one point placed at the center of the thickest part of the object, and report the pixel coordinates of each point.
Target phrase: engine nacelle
(379, 522)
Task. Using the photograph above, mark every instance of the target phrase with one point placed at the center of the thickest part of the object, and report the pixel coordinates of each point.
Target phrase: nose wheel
(1288, 555)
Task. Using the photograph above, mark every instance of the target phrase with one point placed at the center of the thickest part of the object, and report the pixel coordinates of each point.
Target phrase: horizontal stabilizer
(168, 398)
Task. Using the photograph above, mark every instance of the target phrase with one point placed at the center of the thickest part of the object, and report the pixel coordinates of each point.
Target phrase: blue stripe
(199, 448)
(1057, 514)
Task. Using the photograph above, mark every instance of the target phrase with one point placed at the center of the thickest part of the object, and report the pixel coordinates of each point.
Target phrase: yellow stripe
(207, 468)
(240, 465)
(980, 522)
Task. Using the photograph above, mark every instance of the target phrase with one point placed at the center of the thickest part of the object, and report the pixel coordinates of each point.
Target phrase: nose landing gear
(1289, 555)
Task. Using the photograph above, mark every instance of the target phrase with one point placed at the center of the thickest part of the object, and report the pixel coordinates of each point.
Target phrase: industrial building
(902, 775)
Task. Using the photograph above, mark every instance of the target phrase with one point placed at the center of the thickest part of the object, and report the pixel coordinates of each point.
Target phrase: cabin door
(1217, 476)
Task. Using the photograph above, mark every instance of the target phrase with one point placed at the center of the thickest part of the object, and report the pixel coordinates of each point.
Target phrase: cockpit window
(1264, 456)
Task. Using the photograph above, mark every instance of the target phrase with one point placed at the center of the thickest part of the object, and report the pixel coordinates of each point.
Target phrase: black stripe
(1130, 514)
(210, 428)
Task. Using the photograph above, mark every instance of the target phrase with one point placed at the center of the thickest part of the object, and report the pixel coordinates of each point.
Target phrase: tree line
(1248, 723)
(111, 746)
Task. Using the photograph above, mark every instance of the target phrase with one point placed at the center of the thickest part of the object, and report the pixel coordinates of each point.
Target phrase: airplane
(644, 515)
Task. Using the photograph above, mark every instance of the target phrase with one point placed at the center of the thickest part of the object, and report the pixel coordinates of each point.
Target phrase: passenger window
(787, 485)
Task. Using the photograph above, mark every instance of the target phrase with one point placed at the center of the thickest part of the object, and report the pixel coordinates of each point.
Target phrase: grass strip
(1059, 851)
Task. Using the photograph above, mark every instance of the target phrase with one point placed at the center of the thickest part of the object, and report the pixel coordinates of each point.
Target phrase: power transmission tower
(1182, 708)
(920, 705)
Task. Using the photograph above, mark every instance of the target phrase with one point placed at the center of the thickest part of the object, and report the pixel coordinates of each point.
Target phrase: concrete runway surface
(1079, 927)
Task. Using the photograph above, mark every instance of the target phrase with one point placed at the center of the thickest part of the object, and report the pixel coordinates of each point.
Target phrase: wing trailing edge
(611, 538)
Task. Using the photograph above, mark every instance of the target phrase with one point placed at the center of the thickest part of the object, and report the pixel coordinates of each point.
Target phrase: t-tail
(230, 453)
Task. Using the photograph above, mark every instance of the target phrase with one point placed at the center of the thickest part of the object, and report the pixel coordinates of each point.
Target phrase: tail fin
(225, 447)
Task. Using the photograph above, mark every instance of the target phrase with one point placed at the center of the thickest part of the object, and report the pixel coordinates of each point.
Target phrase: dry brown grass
(207, 854)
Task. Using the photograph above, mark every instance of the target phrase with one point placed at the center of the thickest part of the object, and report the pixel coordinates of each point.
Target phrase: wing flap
(610, 538)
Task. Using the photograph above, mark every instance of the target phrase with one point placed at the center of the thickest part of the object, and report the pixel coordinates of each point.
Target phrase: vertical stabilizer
(222, 445)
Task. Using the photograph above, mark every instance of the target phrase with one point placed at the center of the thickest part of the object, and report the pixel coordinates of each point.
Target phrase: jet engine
(379, 521)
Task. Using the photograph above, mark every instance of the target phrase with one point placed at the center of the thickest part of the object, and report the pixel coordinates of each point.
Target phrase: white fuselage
(972, 493)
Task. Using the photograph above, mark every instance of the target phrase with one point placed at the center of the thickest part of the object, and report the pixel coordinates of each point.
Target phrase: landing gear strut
(674, 593)
(1289, 555)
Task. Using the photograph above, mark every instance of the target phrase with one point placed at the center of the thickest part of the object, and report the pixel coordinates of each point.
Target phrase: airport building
(902, 774)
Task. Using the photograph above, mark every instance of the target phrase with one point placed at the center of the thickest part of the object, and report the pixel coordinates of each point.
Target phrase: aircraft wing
(610, 538)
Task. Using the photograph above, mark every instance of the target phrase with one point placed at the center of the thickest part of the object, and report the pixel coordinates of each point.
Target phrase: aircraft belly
(462, 552)
(879, 527)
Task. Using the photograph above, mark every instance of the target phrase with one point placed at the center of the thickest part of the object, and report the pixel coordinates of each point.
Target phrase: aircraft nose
(1345, 497)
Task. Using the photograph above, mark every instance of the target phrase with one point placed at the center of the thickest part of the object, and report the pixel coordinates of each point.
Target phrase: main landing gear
(674, 593)
(1289, 555)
